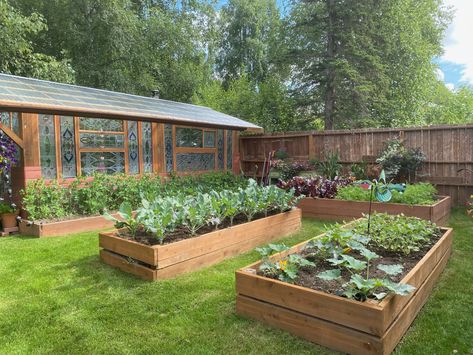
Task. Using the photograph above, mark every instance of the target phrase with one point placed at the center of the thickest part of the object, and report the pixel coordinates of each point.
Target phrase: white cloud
(450, 86)
(440, 74)
(458, 44)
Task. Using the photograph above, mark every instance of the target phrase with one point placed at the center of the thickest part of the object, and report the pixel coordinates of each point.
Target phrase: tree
(449, 107)
(249, 41)
(354, 63)
(17, 53)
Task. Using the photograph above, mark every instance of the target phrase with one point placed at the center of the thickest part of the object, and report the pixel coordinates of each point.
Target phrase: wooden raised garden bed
(333, 209)
(66, 227)
(166, 261)
(335, 322)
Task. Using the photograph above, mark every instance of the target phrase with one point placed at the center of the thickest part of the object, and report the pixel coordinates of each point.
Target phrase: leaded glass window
(195, 161)
(15, 122)
(147, 145)
(168, 147)
(221, 149)
(11, 120)
(209, 139)
(188, 137)
(47, 146)
(68, 149)
(5, 119)
(102, 162)
(101, 140)
(100, 124)
(229, 150)
(133, 148)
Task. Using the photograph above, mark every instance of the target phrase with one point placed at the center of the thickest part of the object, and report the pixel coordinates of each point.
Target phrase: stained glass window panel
(168, 145)
(133, 149)
(102, 162)
(195, 161)
(147, 145)
(100, 124)
(47, 146)
(209, 139)
(101, 140)
(15, 122)
(221, 151)
(188, 137)
(5, 119)
(68, 150)
(229, 150)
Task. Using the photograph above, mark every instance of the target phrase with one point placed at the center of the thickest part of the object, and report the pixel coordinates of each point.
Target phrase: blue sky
(456, 63)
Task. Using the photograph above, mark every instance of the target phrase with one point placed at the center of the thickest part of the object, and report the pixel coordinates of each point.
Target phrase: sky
(456, 64)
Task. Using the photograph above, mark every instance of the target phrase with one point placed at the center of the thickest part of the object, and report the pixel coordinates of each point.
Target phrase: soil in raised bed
(182, 233)
(307, 276)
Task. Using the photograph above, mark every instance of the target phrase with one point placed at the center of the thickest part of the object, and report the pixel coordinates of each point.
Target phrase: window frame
(184, 150)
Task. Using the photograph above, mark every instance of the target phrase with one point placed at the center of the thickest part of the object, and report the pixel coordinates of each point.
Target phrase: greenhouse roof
(33, 95)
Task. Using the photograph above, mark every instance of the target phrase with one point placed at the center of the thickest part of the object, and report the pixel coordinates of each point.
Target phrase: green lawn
(57, 297)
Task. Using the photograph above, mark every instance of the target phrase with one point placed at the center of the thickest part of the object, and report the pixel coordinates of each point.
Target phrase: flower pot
(9, 220)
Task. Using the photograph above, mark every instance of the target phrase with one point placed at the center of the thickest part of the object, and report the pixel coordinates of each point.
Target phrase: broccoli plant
(128, 220)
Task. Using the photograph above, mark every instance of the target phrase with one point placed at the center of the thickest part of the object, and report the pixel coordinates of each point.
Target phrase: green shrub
(399, 162)
(85, 196)
(415, 194)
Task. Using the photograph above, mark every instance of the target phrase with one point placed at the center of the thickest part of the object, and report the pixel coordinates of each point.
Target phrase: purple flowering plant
(8, 153)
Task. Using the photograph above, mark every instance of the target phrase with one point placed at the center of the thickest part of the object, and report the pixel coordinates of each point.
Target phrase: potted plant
(8, 215)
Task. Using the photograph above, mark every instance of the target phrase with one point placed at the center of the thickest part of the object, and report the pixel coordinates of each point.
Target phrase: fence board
(448, 149)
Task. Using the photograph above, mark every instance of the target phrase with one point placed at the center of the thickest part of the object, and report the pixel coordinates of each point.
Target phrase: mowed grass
(57, 297)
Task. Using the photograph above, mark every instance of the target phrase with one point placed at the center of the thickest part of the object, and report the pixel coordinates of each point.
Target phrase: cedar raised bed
(333, 209)
(66, 227)
(336, 322)
(166, 261)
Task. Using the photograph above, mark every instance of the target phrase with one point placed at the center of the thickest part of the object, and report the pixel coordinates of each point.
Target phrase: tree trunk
(330, 73)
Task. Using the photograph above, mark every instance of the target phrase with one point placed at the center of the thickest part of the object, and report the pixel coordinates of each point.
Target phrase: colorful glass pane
(5, 119)
(133, 149)
(47, 146)
(195, 161)
(68, 149)
(15, 122)
(147, 145)
(168, 145)
(102, 162)
(221, 149)
(229, 150)
(100, 140)
(188, 137)
(100, 124)
(209, 139)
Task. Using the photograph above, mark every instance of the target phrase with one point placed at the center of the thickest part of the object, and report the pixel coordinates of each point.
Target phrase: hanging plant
(8, 153)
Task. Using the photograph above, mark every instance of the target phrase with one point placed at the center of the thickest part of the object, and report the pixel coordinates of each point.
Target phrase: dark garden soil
(307, 276)
(182, 232)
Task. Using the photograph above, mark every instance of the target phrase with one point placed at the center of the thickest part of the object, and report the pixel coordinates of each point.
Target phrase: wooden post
(30, 157)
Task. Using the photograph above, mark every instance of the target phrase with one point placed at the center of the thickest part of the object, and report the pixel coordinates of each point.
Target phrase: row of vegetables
(160, 217)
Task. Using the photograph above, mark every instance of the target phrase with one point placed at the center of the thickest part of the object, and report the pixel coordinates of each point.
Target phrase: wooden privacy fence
(449, 151)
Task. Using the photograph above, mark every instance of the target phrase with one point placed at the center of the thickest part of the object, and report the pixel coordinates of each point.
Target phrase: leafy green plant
(358, 170)
(159, 217)
(398, 234)
(128, 220)
(6, 208)
(400, 162)
(414, 194)
(285, 269)
(329, 166)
